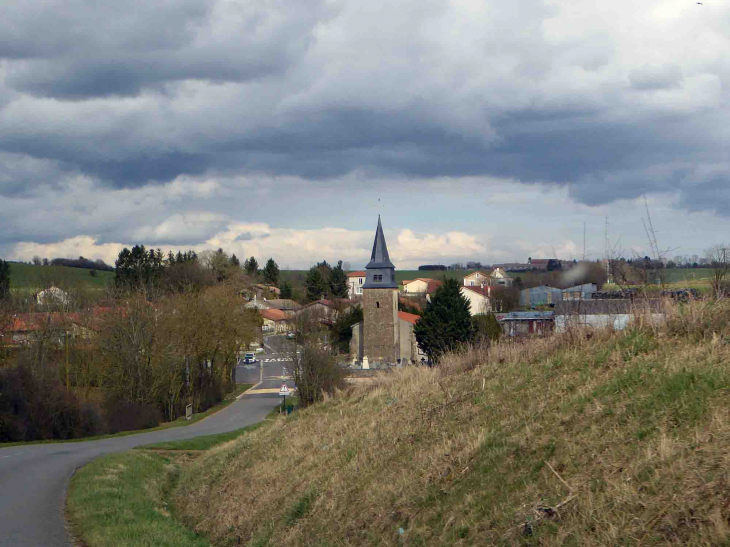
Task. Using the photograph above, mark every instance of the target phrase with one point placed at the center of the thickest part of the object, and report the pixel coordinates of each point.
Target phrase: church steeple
(380, 270)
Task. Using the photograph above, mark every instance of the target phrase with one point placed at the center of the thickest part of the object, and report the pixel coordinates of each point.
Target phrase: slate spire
(380, 270)
(379, 257)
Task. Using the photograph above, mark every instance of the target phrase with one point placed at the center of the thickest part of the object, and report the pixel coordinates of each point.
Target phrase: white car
(249, 358)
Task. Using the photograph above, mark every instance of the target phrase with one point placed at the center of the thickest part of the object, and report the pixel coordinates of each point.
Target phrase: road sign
(284, 391)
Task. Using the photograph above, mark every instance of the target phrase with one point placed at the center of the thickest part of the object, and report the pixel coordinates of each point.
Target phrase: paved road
(273, 367)
(34, 478)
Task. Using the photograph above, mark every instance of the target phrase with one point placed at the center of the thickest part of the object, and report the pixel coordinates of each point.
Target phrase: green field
(24, 277)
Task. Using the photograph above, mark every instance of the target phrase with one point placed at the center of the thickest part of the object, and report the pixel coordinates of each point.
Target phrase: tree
(271, 272)
(315, 283)
(719, 258)
(37, 260)
(92, 273)
(487, 327)
(45, 262)
(342, 329)
(234, 261)
(251, 266)
(286, 290)
(446, 322)
(138, 267)
(4, 279)
(338, 282)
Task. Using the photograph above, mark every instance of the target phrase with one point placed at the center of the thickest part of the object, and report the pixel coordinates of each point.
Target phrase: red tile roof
(273, 315)
(357, 274)
(410, 317)
(484, 291)
(433, 284)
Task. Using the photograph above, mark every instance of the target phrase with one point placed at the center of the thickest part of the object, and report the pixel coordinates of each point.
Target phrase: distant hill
(31, 278)
(599, 438)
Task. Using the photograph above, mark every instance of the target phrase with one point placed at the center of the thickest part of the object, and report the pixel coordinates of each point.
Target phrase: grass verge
(123, 499)
(180, 422)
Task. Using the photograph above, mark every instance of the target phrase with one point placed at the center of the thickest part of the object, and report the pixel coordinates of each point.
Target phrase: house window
(360, 280)
(358, 290)
(377, 278)
(377, 304)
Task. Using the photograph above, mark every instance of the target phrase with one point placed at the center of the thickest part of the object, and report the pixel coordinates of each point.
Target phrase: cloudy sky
(483, 130)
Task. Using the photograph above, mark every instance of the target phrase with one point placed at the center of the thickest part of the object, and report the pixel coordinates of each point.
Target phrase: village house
(355, 281)
(477, 279)
(275, 321)
(286, 305)
(480, 298)
(326, 311)
(499, 277)
(421, 286)
(51, 296)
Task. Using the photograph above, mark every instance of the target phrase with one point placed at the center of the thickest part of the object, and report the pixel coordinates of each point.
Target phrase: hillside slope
(33, 278)
(582, 439)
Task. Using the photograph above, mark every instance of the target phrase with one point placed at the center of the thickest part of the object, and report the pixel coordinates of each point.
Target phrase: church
(385, 335)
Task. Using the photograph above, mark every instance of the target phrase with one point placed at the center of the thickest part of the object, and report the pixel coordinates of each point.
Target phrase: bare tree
(719, 258)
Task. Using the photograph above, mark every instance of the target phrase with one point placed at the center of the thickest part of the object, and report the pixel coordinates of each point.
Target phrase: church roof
(379, 257)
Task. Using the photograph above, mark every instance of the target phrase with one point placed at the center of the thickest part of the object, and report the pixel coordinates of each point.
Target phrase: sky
(478, 130)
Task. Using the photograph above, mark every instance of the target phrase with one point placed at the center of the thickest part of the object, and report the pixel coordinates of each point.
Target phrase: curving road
(34, 478)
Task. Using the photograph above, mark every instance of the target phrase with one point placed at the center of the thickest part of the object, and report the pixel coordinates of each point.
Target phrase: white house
(500, 277)
(476, 279)
(480, 298)
(355, 281)
(421, 285)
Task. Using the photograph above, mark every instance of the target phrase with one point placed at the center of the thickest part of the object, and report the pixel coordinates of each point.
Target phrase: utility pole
(584, 241)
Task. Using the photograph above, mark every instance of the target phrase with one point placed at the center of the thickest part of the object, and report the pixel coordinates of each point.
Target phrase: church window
(377, 304)
(377, 278)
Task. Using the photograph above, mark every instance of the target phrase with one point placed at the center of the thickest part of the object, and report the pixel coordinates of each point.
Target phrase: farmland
(27, 277)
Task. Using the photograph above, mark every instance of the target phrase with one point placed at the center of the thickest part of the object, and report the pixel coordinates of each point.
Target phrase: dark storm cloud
(138, 93)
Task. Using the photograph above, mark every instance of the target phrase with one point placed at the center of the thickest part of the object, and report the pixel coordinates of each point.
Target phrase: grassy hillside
(30, 277)
(580, 439)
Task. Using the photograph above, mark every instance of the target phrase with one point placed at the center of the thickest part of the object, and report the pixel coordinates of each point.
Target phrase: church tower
(381, 340)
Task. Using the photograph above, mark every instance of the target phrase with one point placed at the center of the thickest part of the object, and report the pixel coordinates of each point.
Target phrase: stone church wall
(381, 335)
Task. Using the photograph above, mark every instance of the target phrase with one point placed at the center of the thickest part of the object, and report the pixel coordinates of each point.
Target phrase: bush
(34, 405)
(316, 373)
(124, 415)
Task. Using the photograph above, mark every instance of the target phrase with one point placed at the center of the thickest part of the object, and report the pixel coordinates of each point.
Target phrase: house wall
(381, 330)
(353, 285)
(475, 280)
(416, 286)
(479, 304)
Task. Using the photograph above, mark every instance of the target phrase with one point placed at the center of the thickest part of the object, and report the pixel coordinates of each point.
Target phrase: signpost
(283, 392)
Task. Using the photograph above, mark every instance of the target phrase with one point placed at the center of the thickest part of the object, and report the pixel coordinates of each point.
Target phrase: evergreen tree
(4, 279)
(234, 261)
(342, 328)
(251, 266)
(487, 327)
(286, 290)
(138, 267)
(446, 321)
(315, 283)
(338, 282)
(271, 272)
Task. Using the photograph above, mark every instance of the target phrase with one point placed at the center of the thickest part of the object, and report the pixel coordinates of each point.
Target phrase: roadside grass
(123, 499)
(291, 400)
(584, 438)
(180, 422)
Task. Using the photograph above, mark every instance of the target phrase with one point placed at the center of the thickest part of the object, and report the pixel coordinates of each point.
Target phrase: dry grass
(580, 439)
